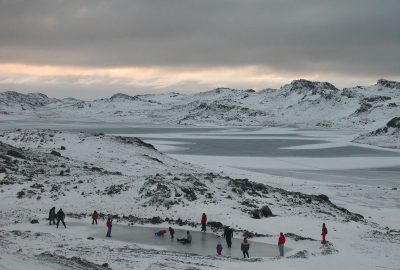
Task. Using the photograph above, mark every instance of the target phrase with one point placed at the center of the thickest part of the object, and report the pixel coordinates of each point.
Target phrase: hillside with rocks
(387, 136)
(301, 103)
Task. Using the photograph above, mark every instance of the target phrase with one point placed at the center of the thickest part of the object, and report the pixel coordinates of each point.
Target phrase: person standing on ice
(228, 234)
(109, 226)
(60, 217)
(324, 233)
(245, 248)
(52, 216)
(95, 216)
(204, 222)
(219, 248)
(171, 232)
(281, 244)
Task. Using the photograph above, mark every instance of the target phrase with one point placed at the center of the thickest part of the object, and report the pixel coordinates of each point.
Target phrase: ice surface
(202, 243)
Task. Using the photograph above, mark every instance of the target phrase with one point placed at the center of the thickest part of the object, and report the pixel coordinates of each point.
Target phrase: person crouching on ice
(186, 240)
(160, 233)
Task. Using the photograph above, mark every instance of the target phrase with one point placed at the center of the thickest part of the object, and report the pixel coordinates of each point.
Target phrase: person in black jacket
(52, 216)
(60, 217)
(171, 232)
(228, 234)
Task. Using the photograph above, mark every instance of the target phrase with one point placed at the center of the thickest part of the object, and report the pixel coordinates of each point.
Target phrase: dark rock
(15, 153)
(266, 211)
(96, 169)
(90, 238)
(215, 225)
(389, 84)
(55, 153)
(34, 221)
(62, 147)
(20, 194)
(302, 254)
(156, 220)
(394, 123)
(323, 197)
(296, 237)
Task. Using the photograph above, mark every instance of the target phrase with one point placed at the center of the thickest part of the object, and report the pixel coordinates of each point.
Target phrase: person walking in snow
(204, 222)
(95, 216)
(60, 217)
(52, 216)
(186, 240)
(281, 244)
(228, 234)
(245, 248)
(324, 233)
(109, 226)
(219, 248)
(171, 232)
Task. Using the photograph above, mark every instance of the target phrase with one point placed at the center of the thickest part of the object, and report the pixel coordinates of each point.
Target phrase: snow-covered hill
(301, 103)
(136, 184)
(387, 136)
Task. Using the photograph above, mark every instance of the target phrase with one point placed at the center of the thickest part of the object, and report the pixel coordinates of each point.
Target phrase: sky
(92, 49)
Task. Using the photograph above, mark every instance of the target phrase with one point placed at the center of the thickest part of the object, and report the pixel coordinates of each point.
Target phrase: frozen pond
(202, 243)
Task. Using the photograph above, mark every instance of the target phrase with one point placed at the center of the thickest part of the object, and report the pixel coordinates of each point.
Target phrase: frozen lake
(202, 243)
(315, 155)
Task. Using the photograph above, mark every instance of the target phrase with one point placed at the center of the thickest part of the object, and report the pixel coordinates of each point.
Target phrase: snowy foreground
(137, 184)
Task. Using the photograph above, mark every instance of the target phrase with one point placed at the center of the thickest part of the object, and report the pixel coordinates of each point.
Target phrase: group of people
(60, 216)
(228, 232)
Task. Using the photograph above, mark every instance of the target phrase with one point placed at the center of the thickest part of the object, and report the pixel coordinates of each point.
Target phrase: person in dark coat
(95, 216)
(245, 248)
(171, 232)
(109, 227)
(219, 248)
(228, 234)
(281, 244)
(204, 222)
(52, 216)
(324, 233)
(60, 217)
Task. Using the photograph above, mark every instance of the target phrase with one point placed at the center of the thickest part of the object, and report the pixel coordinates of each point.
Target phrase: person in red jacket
(109, 226)
(281, 244)
(203, 222)
(95, 216)
(324, 233)
(160, 233)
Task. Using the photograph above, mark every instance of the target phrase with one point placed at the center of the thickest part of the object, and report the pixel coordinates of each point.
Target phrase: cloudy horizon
(93, 49)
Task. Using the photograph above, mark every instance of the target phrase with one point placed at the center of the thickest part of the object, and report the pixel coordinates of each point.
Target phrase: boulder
(55, 153)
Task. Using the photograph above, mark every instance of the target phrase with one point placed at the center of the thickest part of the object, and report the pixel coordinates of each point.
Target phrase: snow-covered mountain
(300, 103)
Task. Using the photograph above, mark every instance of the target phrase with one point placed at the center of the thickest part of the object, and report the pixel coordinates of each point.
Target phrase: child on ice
(219, 249)
(161, 233)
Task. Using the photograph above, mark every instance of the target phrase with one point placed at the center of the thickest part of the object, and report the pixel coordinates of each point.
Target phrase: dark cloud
(360, 37)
